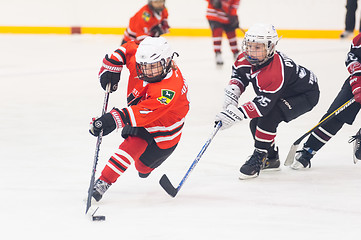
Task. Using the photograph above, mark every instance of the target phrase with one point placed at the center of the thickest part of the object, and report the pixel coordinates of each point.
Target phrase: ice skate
(356, 146)
(303, 159)
(253, 165)
(219, 59)
(143, 175)
(272, 162)
(346, 35)
(100, 187)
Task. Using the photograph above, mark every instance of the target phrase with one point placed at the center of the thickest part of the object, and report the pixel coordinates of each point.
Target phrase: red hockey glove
(108, 123)
(355, 82)
(354, 68)
(110, 73)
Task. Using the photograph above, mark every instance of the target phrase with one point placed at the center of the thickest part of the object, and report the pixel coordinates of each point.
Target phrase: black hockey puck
(98, 218)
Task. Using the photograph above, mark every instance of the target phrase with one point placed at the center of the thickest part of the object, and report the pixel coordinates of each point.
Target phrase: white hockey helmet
(261, 33)
(153, 59)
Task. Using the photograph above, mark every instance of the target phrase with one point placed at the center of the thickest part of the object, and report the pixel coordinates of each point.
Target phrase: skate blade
(245, 177)
(271, 169)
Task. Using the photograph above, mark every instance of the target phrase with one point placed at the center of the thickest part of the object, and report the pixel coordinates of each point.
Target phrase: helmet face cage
(263, 34)
(153, 72)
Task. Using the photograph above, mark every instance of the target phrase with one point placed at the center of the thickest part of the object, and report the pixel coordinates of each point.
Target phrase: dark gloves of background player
(217, 4)
(160, 29)
(355, 82)
(233, 21)
(110, 73)
(108, 123)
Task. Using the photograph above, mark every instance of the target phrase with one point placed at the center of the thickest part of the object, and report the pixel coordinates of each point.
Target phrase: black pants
(226, 27)
(153, 156)
(333, 125)
(350, 20)
(285, 110)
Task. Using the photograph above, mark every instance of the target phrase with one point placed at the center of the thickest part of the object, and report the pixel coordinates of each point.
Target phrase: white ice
(50, 91)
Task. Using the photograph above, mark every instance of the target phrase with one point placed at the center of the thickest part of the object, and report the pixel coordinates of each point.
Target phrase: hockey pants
(264, 129)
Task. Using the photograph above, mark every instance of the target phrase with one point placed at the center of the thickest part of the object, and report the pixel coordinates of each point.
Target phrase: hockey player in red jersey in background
(150, 20)
(157, 106)
(222, 17)
(284, 91)
(350, 88)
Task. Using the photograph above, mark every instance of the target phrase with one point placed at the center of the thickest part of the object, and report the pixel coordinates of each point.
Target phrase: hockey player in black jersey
(284, 89)
(350, 88)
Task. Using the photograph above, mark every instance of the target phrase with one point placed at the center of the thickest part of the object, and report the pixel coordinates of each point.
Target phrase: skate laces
(256, 159)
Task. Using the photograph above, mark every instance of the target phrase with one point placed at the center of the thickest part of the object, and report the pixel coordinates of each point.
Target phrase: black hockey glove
(156, 31)
(110, 73)
(233, 21)
(217, 4)
(108, 123)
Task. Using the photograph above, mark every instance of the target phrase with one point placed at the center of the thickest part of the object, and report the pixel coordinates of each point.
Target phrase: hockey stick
(292, 152)
(243, 31)
(97, 147)
(165, 182)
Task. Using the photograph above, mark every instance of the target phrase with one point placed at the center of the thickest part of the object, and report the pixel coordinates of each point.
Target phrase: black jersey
(279, 78)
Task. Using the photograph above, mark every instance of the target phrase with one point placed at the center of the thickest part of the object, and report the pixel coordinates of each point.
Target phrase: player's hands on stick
(355, 82)
(110, 73)
(108, 123)
(159, 29)
(229, 116)
(233, 21)
(231, 95)
(156, 31)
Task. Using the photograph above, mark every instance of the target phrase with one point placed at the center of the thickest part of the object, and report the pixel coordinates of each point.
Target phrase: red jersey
(142, 22)
(229, 8)
(159, 107)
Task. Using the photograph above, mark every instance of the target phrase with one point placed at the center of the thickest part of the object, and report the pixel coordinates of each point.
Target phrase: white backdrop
(284, 14)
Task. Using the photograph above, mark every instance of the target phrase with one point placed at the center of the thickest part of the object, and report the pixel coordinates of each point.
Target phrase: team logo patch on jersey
(167, 96)
(146, 16)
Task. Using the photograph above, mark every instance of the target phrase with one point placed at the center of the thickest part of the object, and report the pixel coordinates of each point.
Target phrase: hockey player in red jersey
(350, 88)
(284, 91)
(157, 106)
(150, 20)
(222, 17)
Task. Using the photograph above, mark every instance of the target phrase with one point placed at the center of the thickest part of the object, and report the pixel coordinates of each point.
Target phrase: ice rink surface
(50, 91)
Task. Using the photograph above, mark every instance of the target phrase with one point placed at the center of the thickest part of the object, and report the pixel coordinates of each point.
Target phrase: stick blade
(167, 186)
(291, 155)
